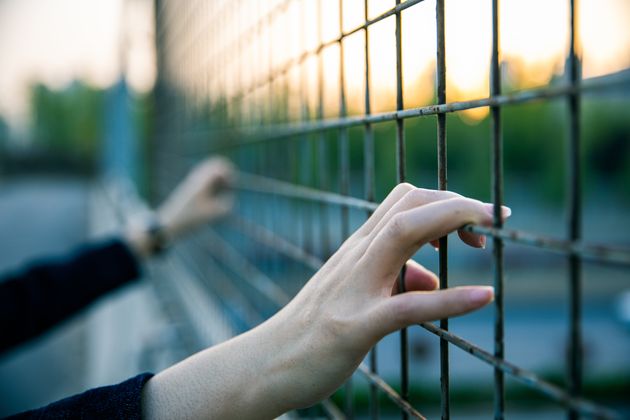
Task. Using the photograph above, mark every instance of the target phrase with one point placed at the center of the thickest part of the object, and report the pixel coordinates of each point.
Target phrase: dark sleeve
(48, 292)
(122, 401)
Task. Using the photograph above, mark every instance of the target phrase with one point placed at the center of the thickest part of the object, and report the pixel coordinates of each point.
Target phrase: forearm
(242, 378)
(288, 362)
(309, 348)
(49, 291)
(202, 197)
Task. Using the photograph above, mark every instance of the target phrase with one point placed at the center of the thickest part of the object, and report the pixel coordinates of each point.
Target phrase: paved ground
(41, 216)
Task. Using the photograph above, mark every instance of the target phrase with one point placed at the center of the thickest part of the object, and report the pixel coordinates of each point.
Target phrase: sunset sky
(57, 41)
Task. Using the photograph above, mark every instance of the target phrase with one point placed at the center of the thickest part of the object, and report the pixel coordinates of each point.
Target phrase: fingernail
(481, 295)
(482, 241)
(505, 210)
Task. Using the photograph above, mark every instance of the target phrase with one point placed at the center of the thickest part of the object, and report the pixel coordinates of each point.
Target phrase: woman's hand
(203, 196)
(310, 347)
(352, 301)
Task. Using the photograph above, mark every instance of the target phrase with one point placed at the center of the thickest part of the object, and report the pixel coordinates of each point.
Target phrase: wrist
(301, 360)
(170, 219)
(149, 238)
(288, 362)
(157, 236)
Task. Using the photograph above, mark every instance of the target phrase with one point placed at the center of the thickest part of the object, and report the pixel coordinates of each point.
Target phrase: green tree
(68, 124)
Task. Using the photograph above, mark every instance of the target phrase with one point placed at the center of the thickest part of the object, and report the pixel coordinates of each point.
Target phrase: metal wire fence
(252, 80)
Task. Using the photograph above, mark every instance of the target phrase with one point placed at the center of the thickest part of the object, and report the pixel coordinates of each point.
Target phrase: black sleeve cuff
(122, 401)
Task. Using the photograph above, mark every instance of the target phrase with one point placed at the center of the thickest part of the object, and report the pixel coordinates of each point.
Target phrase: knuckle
(417, 196)
(357, 249)
(460, 202)
(396, 226)
(450, 194)
(403, 187)
(422, 195)
(350, 244)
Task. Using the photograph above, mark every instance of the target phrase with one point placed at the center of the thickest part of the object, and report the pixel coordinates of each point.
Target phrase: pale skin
(311, 346)
(202, 197)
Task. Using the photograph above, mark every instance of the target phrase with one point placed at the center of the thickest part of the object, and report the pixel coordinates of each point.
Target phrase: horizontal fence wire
(241, 136)
(598, 253)
(282, 245)
(582, 406)
(189, 50)
(259, 281)
(280, 300)
(284, 68)
(383, 386)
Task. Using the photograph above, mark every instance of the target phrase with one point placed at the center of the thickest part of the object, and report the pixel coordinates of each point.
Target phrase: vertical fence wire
(344, 178)
(344, 141)
(368, 174)
(574, 216)
(321, 140)
(497, 198)
(311, 163)
(306, 146)
(442, 185)
(401, 177)
(267, 153)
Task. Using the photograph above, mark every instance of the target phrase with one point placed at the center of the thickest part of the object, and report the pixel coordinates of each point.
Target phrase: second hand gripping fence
(225, 71)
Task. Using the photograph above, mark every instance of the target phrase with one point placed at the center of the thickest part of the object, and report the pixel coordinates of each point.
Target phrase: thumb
(402, 310)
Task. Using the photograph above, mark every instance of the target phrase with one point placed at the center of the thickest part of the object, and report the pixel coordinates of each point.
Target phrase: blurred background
(104, 106)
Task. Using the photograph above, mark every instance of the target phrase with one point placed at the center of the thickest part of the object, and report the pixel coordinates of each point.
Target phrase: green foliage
(535, 149)
(606, 140)
(68, 123)
(471, 397)
(4, 130)
(4, 134)
(4, 137)
(142, 114)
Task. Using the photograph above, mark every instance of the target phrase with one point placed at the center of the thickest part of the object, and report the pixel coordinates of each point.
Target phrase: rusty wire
(266, 140)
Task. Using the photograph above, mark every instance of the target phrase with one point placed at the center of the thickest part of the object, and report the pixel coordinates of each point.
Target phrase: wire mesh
(252, 80)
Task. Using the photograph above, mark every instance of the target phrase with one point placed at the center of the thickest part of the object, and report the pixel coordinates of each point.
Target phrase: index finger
(405, 232)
